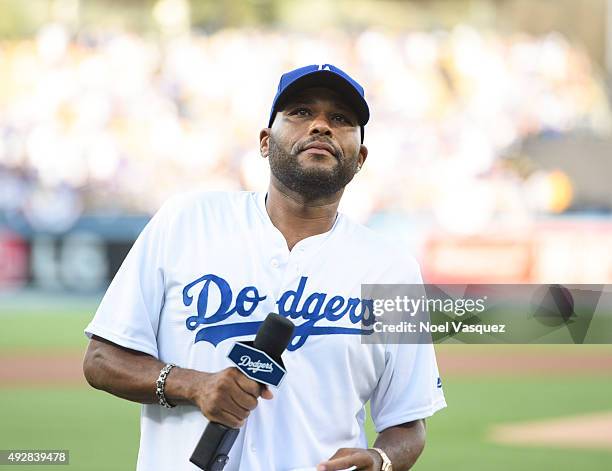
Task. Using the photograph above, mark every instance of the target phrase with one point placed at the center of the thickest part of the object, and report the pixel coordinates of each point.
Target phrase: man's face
(314, 143)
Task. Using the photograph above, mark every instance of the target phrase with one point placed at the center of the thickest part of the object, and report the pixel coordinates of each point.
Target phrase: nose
(320, 125)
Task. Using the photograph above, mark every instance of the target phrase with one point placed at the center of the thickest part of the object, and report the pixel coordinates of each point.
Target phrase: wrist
(385, 462)
(179, 386)
(378, 462)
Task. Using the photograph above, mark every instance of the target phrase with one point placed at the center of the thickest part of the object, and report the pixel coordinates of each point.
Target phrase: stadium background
(490, 146)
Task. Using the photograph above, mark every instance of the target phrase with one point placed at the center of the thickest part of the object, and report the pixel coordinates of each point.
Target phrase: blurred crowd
(115, 122)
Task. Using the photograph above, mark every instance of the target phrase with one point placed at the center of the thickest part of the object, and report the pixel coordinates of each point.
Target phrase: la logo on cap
(324, 67)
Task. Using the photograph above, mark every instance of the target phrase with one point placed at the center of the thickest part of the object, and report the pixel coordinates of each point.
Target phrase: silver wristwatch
(386, 462)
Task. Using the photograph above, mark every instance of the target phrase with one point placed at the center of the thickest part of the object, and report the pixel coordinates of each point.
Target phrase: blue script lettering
(312, 310)
(333, 306)
(248, 295)
(295, 297)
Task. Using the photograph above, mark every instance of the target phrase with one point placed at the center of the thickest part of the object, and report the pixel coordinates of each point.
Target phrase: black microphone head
(274, 335)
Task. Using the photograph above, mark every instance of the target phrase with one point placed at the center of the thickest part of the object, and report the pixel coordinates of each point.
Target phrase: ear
(363, 155)
(264, 142)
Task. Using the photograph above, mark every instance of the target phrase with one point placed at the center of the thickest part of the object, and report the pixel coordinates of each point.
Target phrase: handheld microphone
(211, 452)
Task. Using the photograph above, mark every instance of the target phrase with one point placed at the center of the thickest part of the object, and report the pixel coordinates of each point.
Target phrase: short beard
(310, 183)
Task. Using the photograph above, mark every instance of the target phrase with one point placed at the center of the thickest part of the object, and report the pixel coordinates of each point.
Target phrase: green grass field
(31, 331)
(101, 431)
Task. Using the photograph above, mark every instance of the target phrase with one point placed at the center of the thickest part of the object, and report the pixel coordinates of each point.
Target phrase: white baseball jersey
(206, 271)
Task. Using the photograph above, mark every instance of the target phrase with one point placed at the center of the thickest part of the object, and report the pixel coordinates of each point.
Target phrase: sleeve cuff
(121, 340)
(409, 416)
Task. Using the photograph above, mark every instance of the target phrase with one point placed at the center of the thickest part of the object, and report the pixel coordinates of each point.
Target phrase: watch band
(386, 462)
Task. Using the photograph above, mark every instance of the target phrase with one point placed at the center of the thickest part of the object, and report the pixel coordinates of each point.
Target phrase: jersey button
(274, 263)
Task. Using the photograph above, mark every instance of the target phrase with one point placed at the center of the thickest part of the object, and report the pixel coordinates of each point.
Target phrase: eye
(300, 112)
(340, 118)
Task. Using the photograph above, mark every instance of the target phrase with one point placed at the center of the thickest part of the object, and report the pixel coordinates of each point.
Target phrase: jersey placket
(274, 258)
(286, 265)
(285, 268)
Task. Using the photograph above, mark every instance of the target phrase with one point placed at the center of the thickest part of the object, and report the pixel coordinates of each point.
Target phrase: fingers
(223, 410)
(220, 407)
(228, 397)
(234, 403)
(237, 395)
(242, 399)
(347, 463)
(348, 458)
(253, 388)
(246, 384)
(229, 419)
(342, 452)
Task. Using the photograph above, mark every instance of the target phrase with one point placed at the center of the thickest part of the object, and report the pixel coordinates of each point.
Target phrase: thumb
(266, 393)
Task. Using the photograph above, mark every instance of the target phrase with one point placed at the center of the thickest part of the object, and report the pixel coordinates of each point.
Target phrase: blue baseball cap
(322, 75)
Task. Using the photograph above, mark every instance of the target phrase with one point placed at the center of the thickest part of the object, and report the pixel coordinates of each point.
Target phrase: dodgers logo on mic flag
(256, 364)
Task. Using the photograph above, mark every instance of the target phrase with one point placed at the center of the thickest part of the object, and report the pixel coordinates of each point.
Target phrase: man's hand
(227, 397)
(345, 458)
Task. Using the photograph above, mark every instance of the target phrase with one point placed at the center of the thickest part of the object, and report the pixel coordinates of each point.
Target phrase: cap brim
(333, 81)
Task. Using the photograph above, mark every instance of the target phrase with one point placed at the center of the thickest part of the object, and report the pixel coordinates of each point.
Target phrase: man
(209, 267)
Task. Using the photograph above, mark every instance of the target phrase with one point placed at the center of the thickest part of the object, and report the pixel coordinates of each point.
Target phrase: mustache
(337, 151)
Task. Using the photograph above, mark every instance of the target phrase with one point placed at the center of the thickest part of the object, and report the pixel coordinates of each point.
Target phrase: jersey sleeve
(410, 387)
(129, 312)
